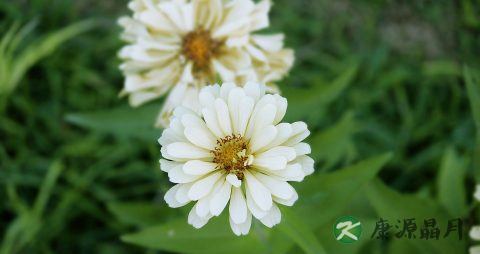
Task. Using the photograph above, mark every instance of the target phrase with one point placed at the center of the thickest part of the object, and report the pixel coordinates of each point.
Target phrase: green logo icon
(347, 229)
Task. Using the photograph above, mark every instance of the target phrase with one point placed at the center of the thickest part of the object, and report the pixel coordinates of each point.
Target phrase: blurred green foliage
(79, 168)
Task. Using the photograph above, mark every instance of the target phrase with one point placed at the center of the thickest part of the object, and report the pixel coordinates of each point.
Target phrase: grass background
(79, 168)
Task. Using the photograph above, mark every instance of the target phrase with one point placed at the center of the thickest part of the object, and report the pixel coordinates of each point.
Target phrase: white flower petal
(202, 187)
(187, 74)
(262, 117)
(200, 137)
(155, 20)
(284, 131)
(202, 207)
(234, 97)
(242, 228)
(171, 10)
(256, 53)
(475, 249)
(260, 15)
(230, 27)
(278, 151)
(176, 126)
(299, 133)
(233, 180)
(197, 167)
(293, 172)
(182, 193)
(281, 106)
(225, 90)
(475, 233)
(210, 117)
(270, 163)
(277, 187)
(182, 150)
(225, 72)
(477, 192)
(168, 137)
(208, 94)
(170, 197)
(203, 204)
(253, 90)
(287, 202)
(220, 199)
(262, 138)
(223, 116)
(186, 11)
(138, 98)
(253, 207)
(197, 221)
(260, 194)
(238, 206)
(244, 114)
(177, 175)
(237, 41)
(307, 164)
(166, 165)
(273, 217)
(272, 42)
(302, 149)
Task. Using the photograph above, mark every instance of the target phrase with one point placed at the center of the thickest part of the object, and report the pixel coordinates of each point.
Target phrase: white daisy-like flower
(475, 231)
(235, 150)
(186, 44)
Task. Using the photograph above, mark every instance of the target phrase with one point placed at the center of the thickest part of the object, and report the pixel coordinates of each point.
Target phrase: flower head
(235, 151)
(186, 44)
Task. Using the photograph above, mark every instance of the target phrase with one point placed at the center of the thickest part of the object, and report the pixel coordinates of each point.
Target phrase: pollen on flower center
(199, 47)
(231, 154)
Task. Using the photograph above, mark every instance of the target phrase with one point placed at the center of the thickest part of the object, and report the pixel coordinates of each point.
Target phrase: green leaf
(47, 188)
(335, 143)
(394, 206)
(178, 236)
(141, 213)
(300, 232)
(469, 14)
(450, 182)
(322, 196)
(311, 103)
(25, 228)
(472, 82)
(14, 66)
(123, 121)
(335, 190)
(444, 67)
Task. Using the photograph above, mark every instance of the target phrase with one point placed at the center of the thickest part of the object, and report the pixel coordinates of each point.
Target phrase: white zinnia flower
(475, 231)
(184, 45)
(236, 150)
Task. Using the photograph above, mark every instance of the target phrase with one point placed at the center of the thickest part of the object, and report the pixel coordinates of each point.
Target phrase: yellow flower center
(231, 154)
(199, 47)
